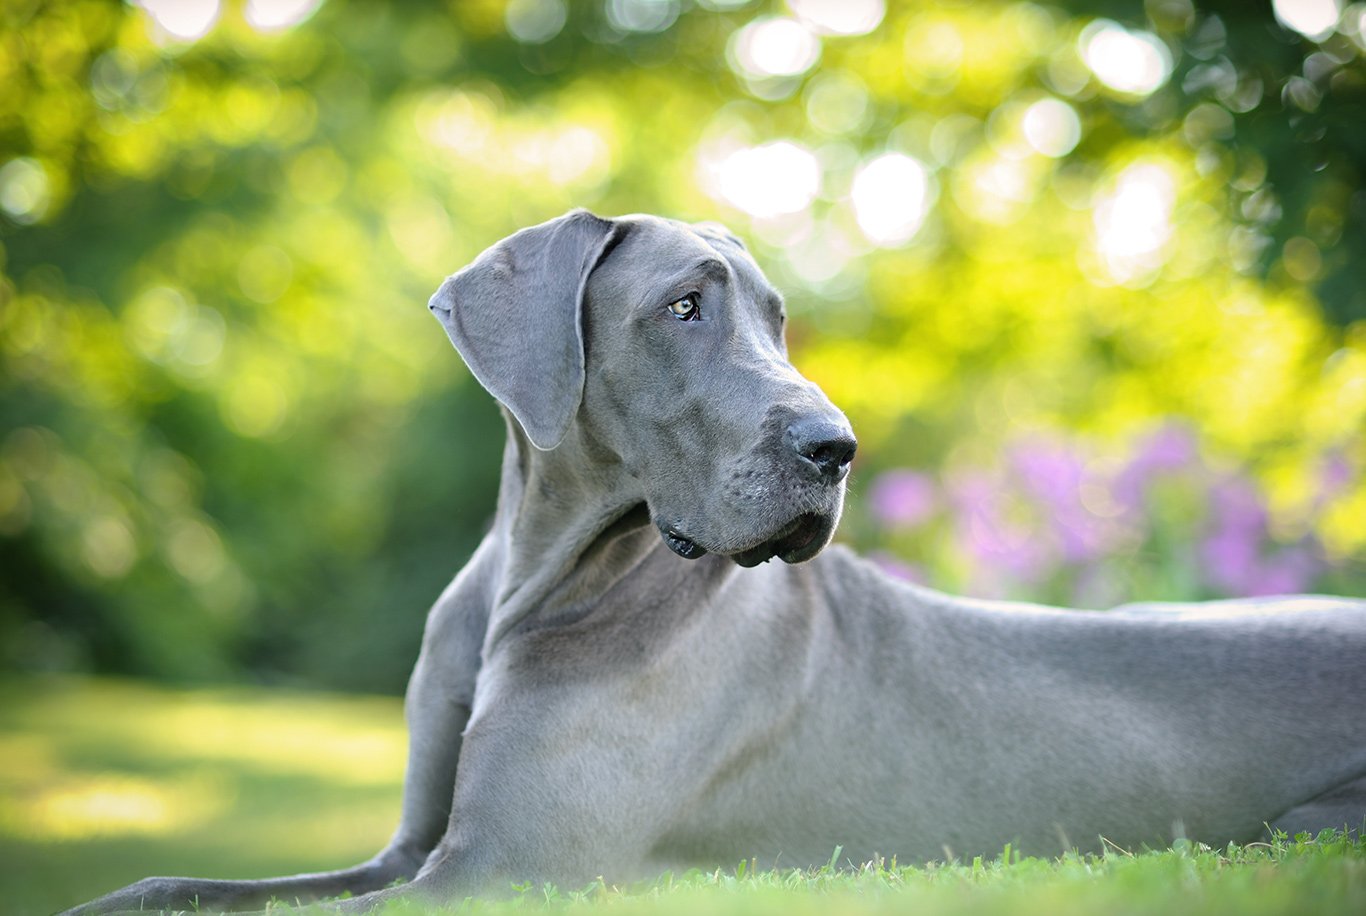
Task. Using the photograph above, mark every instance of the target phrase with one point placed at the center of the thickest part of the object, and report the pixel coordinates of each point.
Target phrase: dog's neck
(556, 510)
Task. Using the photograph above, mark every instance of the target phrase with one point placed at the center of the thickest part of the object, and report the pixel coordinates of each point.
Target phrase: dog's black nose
(826, 446)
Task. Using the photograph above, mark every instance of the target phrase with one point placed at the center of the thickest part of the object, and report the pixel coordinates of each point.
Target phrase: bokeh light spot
(317, 175)
(462, 121)
(182, 19)
(1302, 259)
(1206, 122)
(774, 47)
(194, 550)
(1134, 221)
(1134, 63)
(837, 103)
(891, 195)
(839, 17)
(421, 230)
(994, 189)
(264, 273)
(257, 404)
(24, 190)
(165, 328)
(770, 180)
(934, 51)
(581, 154)
(16, 509)
(107, 546)
(1314, 19)
(274, 15)
(1051, 127)
(641, 15)
(535, 22)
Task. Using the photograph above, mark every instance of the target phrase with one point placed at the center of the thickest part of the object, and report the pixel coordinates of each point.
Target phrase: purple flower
(1000, 552)
(1238, 507)
(1049, 471)
(1053, 475)
(974, 491)
(1290, 571)
(902, 498)
(1170, 447)
(1004, 551)
(1084, 537)
(1335, 476)
(1231, 560)
(1166, 450)
(1233, 553)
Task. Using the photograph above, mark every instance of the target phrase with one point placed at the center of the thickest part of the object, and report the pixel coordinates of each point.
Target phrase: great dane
(619, 683)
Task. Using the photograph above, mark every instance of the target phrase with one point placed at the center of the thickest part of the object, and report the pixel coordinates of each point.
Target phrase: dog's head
(663, 343)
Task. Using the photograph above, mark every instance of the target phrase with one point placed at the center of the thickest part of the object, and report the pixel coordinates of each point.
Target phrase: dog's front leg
(559, 782)
(437, 705)
(514, 826)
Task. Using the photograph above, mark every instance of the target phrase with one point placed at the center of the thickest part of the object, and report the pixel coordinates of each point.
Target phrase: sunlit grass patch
(103, 782)
(353, 740)
(113, 804)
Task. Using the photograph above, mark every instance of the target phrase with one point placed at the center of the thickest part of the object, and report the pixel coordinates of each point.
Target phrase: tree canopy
(1086, 276)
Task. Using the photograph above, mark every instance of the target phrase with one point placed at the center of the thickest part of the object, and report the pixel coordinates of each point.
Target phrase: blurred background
(1087, 276)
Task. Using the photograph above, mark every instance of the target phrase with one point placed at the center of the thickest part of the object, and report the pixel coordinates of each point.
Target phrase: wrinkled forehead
(654, 254)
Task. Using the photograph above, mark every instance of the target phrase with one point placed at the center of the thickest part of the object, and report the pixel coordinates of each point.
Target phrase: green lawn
(102, 782)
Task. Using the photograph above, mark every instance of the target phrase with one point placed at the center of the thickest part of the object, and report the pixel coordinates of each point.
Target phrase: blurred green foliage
(233, 443)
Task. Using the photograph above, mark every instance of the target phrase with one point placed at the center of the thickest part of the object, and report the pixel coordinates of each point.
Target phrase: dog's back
(1139, 724)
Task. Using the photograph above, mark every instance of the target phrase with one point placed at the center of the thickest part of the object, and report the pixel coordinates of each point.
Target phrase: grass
(1305, 875)
(102, 782)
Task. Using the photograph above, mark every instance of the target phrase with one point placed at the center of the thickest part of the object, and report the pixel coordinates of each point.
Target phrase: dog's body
(598, 696)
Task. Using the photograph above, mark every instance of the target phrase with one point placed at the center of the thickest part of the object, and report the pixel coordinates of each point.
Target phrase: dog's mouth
(800, 540)
(797, 541)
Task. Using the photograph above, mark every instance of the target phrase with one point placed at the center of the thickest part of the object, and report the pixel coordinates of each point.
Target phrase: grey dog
(618, 683)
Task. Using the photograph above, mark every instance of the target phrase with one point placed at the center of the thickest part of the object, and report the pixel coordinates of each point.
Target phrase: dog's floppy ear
(515, 316)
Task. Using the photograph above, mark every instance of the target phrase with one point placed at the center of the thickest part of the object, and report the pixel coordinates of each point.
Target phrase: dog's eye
(687, 308)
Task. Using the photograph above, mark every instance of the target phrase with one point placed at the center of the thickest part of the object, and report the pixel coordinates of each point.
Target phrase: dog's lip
(797, 541)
